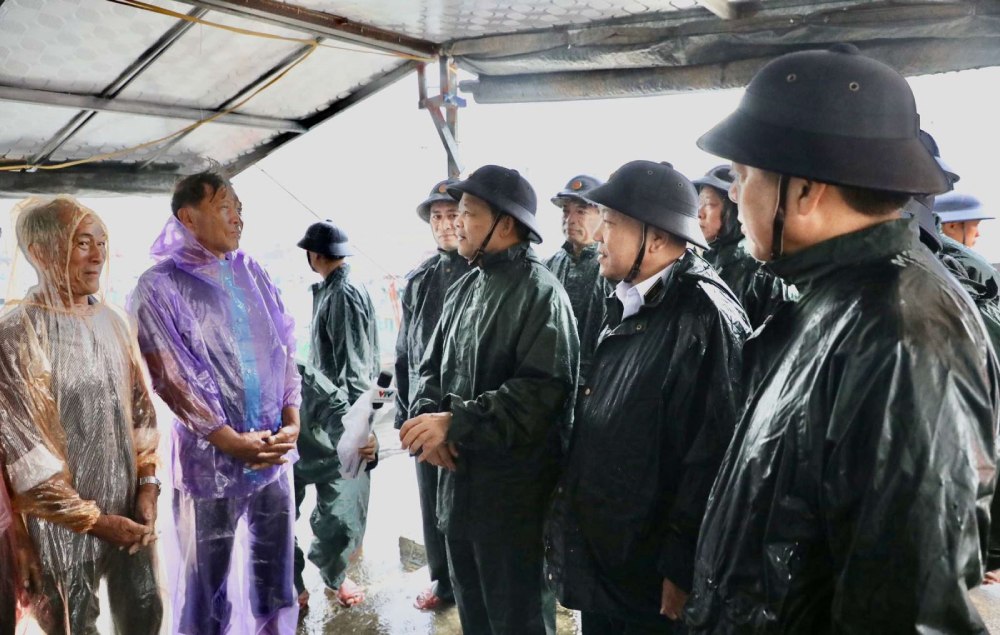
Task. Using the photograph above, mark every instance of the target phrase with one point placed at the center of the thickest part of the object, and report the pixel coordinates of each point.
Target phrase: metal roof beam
(731, 9)
(909, 57)
(321, 24)
(100, 104)
(378, 83)
(110, 179)
(126, 77)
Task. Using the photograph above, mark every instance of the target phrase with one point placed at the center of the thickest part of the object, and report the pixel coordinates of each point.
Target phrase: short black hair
(873, 202)
(522, 231)
(192, 189)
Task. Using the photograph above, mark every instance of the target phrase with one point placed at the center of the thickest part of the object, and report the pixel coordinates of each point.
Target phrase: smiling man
(219, 346)
(575, 265)
(854, 496)
(495, 394)
(423, 301)
(77, 433)
(654, 418)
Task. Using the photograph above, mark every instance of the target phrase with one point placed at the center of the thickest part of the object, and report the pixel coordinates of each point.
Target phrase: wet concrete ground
(386, 570)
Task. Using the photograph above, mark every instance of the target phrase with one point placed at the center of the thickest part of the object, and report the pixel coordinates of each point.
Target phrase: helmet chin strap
(489, 236)
(634, 271)
(778, 224)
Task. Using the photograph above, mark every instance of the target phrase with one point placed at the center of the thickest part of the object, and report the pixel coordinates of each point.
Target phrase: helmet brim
(894, 165)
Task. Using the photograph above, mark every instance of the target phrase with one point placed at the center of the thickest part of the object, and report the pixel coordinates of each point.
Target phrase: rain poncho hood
(503, 360)
(220, 346)
(651, 426)
(422, 302)
(871, 417)
(587, 289)
(76, 419)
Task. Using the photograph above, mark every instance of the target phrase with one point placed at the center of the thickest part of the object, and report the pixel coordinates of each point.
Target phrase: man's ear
(36, 254)
(807, 194)
(186, 216)
(507, 226)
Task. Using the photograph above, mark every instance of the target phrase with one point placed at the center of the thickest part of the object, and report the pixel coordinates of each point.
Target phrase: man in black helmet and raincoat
(758, 290)
(422, 302)
(575, 264)
(344, 350)
(854, 497)
(497, 386)
(655, 417)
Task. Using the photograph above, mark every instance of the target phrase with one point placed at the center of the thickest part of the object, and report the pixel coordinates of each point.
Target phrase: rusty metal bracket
(443, 109)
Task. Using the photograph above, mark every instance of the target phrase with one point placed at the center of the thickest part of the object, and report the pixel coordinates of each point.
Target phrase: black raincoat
(650, 430)
(758, 290)
(344, 333)
(587, 290)
(503, 360)
(977, 268)
(854, 497)
(422, 302)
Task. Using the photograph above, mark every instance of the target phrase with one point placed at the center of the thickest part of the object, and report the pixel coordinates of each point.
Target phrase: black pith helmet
(835, 116)
(954, 207)
(577, 187)
(438, 193)
(720, 178)
(504, 189)
(327, 239)
(656, 194)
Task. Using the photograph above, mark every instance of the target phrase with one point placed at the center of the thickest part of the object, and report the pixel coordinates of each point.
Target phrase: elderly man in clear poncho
(219, 346)
(77, 433)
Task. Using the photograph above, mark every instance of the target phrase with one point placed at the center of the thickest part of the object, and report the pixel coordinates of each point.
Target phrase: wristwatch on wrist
(150, 480)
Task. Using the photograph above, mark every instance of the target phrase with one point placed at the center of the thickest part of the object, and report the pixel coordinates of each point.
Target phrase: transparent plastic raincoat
(8, 570)
(76, 426)
(220, 348)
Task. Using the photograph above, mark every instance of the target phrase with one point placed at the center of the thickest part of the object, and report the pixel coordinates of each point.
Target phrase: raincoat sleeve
(285, 324)
(914, 436)
(145, 436)
(708, 420)
(347, 329)
(427, 395)
(32, 441)
(184, 382)
(526, 406)
(403, 365)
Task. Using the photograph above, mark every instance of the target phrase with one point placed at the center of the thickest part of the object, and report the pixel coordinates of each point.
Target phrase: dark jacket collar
(519, 251)
(336, 277)
(872, 244)
(587, 253)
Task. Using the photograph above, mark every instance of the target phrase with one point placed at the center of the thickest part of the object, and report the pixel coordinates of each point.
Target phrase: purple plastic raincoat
(220, 348)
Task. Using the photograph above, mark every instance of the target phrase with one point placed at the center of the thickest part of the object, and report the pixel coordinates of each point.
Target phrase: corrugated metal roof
(81, 79)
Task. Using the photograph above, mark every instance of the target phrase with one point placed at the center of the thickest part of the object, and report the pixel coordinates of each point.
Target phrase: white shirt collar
(633, 296)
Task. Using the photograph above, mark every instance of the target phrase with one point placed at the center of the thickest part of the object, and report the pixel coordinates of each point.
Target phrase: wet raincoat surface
(8, 569)
(503, 360)
(422, 302)
(344, 333)
(758, 290)
(219, 346)
(338, 520)
(76, 426)
(587, 290)
(977, 268)
(854, 496)
(651, 426)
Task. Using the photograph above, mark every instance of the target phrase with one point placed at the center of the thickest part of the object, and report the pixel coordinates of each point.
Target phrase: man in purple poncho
(220, 348)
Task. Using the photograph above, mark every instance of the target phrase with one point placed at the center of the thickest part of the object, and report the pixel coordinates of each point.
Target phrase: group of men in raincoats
(792, 432)
(666, 441)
